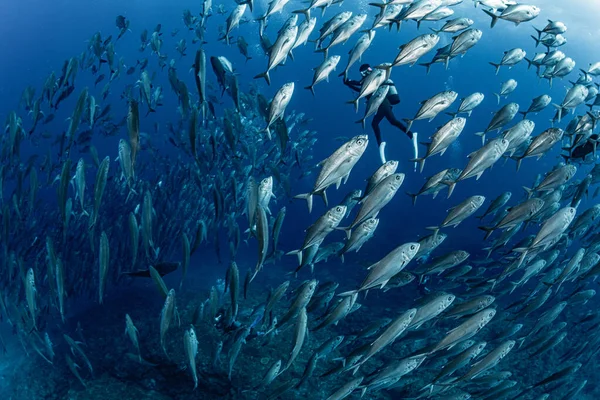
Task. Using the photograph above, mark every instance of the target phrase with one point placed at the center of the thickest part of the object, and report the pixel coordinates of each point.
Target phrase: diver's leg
(389, 115)
(377, 131)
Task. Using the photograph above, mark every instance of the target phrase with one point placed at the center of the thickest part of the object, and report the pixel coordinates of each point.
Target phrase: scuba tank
(392, 95)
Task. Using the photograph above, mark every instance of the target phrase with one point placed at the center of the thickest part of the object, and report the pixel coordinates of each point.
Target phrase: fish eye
(338, 208)
(412, 247)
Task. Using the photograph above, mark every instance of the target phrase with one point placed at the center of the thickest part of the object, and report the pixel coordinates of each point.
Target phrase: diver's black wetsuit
(581, 152)
(384, 111)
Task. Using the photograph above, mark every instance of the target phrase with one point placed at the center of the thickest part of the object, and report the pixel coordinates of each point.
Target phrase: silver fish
(336, 168)
(323, 71)
(390, 265)
(432, 107)
(361, 45)
(442, 139)
(517, 13)
(468, 104)
(511, 58)
(190, 347)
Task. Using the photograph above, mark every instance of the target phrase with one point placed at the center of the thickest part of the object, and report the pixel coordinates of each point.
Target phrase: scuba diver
(582, 152)
(384, 111)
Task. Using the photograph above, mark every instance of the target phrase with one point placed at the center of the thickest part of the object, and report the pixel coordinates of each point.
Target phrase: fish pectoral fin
(346, 178)
(383, 284)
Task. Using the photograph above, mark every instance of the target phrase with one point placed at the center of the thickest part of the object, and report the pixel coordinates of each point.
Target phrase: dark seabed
(158, 159)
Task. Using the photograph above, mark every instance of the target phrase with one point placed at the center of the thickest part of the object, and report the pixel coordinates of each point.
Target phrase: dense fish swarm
(84, 225)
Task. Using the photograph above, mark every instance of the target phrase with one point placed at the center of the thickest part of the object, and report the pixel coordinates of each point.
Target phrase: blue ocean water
(40, 36)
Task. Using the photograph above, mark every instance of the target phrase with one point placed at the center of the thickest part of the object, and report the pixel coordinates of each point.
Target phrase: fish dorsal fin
(423, 300)
(374, 265)
(452, 330)
(322, 162)
(476, 364)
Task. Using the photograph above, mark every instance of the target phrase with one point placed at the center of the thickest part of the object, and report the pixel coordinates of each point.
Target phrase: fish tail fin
(493, 16)
(498, 97)
(268, 132)
(519, 160)
(354, 102)
(428, 387)
(349, 293)
(309, 199)
(435, 230)
(529, 191)
(379, 5)
(421, 162)
(323, 195)
(537, 40)
(413, 197)
(427, 65)
(451, 185)
(362, 122)
(523, 251)
(293, 252)
(266, 76)
(497, 66)
(558, 110)
(305, 11)
(488, 231)
(347, 229)
(482, 135)
(311, 88)
(324, 50)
